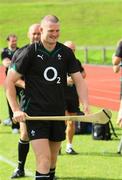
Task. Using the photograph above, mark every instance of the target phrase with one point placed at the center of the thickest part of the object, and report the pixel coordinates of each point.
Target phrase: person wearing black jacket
(6, 57)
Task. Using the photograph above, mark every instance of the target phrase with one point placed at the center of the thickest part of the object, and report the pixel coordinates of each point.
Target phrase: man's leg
(23, 149)
(42, 153)
(54, 147)
(70, 131)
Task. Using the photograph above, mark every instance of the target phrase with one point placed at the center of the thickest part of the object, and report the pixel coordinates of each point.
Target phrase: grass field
(97, 160)
(86, 22)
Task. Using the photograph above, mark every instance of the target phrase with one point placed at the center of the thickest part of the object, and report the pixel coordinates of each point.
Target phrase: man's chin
(52, 42)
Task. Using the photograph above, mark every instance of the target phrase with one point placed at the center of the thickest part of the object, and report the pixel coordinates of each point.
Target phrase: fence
(103, 49)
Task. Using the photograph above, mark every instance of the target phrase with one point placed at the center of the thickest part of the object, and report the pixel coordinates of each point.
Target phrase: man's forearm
(82, 90)
(116, 60)
(11, 96)
(6, 62)
(83, 93)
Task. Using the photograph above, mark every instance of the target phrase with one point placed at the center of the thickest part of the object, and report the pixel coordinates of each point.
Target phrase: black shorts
(52, 130)
(72, 105)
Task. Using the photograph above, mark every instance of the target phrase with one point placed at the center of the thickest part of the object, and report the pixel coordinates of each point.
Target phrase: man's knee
(44, 161)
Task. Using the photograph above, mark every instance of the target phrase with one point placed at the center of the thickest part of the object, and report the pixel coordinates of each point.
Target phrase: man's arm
(116, 68)
(6, 62)
(82, 90)
(116, 60)
(10, 82)
(116, 63)
(20, 83)
(119, 119)
(5, 58)
(83, 74)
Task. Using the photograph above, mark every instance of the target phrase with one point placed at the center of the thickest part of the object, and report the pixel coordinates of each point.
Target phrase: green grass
(97, 160)
(95, 56)
(86, 22)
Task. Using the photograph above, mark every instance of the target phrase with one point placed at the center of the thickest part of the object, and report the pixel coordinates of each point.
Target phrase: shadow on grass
(85, 178)
(118, 129)
(107, 154)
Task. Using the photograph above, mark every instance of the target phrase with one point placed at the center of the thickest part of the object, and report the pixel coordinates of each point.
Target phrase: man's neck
(12, 49)
(49, 47)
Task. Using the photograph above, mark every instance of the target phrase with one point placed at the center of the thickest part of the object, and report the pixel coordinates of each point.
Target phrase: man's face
(34, 35)
(12, 42)
(50, 32)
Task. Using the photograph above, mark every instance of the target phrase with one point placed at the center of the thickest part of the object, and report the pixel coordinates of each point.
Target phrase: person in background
(116, 58)
(6, 57)
(72, 103)
(45, 66)
(34, 36)
(117, 65)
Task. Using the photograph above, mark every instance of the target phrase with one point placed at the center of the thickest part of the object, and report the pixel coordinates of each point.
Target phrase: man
(45, 67)
(117, 66)
(6, 56)
(72, 103)
(117, 57)
(23, 144)
(116, 61)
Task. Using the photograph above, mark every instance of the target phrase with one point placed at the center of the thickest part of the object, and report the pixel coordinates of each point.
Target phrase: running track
(103, 86)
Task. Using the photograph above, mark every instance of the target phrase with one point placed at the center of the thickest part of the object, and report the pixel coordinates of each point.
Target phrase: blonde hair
(50, 18)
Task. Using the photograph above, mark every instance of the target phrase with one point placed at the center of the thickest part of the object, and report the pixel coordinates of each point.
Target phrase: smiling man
(45, 66)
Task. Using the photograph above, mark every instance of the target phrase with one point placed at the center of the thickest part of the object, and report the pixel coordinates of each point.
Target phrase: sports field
(97, 160)
(86, 22)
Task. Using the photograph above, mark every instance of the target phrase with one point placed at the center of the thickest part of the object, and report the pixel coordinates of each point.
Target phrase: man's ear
(41, 29)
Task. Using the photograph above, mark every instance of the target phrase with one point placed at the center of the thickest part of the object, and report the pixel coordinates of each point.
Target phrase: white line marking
(103, 91)
(104, 98)
(11, 163)
(101, 80)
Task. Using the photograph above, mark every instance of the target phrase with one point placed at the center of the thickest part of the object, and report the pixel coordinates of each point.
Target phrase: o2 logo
(54, 77)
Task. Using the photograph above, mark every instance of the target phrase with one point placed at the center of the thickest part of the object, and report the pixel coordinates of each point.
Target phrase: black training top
(7, 53)
(71, 92)
(118, 52)
(45, 75)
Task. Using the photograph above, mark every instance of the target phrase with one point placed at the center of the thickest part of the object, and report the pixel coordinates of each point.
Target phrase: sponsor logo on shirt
(33, 133)
(40, 56)
(59, 57)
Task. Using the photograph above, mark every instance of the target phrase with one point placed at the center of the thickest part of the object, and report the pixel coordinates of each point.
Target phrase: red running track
(103, 85)
(2, 75)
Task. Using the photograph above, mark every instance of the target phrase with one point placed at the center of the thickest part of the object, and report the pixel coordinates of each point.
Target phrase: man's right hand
(116, 68)
(19, 116)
